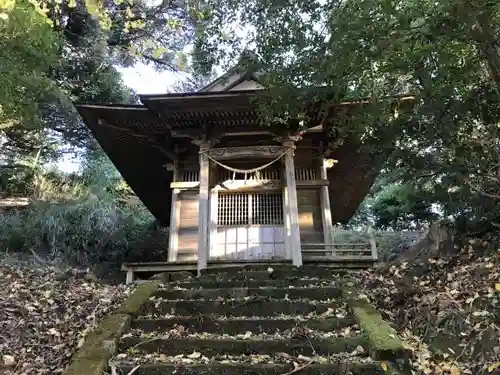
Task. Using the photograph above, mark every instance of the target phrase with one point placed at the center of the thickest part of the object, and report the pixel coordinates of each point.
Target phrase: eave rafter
(143, 138)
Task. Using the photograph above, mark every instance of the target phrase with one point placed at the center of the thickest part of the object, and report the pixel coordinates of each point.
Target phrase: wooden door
(249, 226)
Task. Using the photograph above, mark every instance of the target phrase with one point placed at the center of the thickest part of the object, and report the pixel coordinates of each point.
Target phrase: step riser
(277, 274)
(270, 283)
(309, 293)
(237, 347)
(233, 327)
(243, 308)
(255, 369)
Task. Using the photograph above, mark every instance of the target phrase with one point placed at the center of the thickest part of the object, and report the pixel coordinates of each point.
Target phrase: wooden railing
(356, 250)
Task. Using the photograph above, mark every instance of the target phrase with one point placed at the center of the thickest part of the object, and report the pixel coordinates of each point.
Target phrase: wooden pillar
(203, 206)
(373, 247)
(174, 218)
(293, 232)
(286, 220)
(212, 235)
(326, 214)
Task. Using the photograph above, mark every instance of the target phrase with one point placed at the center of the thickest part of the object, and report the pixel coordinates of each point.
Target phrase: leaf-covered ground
(446, 308)
(46, 313)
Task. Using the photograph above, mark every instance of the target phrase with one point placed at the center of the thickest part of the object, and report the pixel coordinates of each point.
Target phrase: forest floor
(46, 312)
(447, 310)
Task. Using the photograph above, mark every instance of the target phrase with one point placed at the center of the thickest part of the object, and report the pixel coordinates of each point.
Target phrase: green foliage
(53, 54)
(443, 53)
(29, 48)
(83, 222)
(57, 52)
(401, 206)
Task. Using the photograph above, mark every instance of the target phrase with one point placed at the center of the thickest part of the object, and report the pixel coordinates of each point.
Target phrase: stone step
(278, 293)
(297, 282)
(237, 267)
(373, 368)
(234, 326)
(238, 307)
(211, 347)
(276, 273)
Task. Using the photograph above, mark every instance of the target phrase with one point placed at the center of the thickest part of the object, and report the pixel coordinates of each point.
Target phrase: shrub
(83, 224)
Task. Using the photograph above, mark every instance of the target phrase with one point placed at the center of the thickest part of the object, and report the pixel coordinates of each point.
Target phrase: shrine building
(231, 189)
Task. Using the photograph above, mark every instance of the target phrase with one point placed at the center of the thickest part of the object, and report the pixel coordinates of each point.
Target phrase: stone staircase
(247, 322)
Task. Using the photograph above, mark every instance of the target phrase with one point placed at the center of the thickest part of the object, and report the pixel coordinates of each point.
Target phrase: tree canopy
(55, 53)
(444, 53)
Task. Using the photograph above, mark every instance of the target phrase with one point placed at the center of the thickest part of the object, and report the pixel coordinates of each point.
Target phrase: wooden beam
(240, 132)
(231, 153)
(312, 183)
(220, 133)
(187, 133)
(249, 185)
(254, 185)
(185, 184)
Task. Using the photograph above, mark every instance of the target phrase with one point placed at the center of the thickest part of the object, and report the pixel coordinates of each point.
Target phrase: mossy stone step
(278, 293)
(277, 273)
(255, 369)
(253, 283)
(235, 326)
(211, 347)
(306, 269)
(256, 307)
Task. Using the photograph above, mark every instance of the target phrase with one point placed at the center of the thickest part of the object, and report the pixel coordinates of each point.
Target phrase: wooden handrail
(365, 245)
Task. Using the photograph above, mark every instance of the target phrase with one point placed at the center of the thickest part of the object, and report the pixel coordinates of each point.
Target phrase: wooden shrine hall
(231, 190)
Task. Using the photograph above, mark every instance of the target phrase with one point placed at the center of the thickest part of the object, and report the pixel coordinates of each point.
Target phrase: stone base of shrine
(136, 271)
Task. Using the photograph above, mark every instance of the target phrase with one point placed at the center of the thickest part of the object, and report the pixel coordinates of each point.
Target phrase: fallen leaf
(493, 367)
(194, 355)
(8, 360)
(53, 332)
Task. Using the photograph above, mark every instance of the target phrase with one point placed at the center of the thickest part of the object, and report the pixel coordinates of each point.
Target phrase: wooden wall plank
(310, 223)
(187, 238)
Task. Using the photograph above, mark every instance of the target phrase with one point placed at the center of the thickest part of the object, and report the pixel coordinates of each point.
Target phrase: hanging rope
(245, 171)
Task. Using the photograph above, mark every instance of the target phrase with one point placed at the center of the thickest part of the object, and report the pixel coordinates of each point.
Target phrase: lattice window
(189, 176)
(243, 209)
(232, 209)
(271, 173)
(305, 173)
(267, 209)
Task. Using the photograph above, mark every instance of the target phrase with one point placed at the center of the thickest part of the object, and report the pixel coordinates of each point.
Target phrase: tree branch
(15, 166)
(483, 193)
